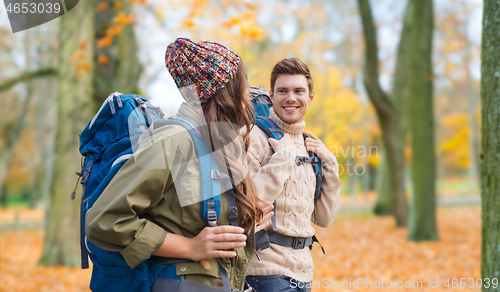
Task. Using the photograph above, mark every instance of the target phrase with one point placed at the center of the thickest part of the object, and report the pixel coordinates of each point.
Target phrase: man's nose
(290, 96)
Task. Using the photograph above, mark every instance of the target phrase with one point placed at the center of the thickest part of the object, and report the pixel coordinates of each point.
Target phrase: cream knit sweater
(277, 177)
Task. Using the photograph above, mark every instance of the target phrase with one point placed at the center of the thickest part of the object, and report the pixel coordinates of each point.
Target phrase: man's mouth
(290, 109)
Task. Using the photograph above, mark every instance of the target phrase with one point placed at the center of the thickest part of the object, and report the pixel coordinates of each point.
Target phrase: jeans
(275, 283)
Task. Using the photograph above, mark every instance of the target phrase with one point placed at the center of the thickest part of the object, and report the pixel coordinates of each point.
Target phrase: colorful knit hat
(206, 65)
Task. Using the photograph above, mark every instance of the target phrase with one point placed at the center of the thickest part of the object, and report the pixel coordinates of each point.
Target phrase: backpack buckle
(298, 243)
(212, 218)
(301, 159)
(232, 212)
(214, 174)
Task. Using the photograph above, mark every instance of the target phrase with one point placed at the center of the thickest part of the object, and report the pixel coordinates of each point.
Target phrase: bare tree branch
(26, 76)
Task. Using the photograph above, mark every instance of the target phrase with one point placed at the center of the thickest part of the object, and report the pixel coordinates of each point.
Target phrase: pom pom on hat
(206, 65)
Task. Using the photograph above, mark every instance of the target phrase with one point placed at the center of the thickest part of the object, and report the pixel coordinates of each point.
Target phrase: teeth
(290, 108)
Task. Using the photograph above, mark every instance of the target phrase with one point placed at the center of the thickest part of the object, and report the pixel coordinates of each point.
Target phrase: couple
(141, 215)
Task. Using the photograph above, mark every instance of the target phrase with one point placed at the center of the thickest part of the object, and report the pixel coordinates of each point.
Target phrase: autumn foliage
(357, 246)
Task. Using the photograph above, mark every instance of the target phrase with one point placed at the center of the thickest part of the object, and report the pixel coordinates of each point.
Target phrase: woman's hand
(213, 242)
(266, 208)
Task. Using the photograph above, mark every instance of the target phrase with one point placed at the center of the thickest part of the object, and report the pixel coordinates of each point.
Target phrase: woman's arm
(211, 242)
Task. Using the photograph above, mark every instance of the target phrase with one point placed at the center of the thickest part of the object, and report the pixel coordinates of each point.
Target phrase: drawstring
(80, 174)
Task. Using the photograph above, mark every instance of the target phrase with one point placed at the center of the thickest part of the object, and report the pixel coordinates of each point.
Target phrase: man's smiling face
(291, 97)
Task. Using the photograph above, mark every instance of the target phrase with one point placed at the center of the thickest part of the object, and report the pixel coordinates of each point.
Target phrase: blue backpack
(262, 104)
(106, 143)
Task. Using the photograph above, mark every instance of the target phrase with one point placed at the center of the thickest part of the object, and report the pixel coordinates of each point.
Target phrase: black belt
(263, 239)
(293, 242)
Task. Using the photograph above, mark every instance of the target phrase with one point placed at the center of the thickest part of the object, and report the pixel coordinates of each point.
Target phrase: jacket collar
(193, 112)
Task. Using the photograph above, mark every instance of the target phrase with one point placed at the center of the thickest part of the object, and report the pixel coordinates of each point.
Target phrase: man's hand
(266, 208)
(315, 145)
(285, 141)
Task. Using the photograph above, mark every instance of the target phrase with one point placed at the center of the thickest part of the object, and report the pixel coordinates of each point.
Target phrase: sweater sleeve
(269, 179)
(115, 223)
(328, 205)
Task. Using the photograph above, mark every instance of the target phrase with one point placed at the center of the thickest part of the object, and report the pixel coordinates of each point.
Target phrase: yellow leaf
(114, 30)
(104, 42)
(188, 23)
(123, 19)
(102, 59)
(102, 6)
(77, 56)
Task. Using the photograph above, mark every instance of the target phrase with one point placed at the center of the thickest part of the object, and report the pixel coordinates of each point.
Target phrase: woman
(147, 212)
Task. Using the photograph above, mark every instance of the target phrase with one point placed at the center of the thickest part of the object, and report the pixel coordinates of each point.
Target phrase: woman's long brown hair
(225, 108)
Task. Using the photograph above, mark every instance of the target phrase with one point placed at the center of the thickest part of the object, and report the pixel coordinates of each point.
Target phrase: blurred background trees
(74, 108)
(121, 48)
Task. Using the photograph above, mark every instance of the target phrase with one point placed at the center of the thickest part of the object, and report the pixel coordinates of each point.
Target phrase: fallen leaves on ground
(19, 255)
(357, 247)
(372, 249)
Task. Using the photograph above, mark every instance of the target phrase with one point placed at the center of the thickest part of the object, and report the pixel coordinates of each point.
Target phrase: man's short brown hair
(291, 66)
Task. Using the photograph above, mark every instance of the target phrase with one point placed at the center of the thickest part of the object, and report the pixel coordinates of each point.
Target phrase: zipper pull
(73, 194)
(257, 254)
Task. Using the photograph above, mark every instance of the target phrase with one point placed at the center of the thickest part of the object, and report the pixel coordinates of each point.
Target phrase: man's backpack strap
(269, 127)
(317, 167)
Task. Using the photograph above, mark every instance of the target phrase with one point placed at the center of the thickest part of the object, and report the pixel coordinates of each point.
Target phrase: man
(290, 183)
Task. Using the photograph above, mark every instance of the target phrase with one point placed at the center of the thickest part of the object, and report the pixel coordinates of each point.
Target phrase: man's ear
(271, 96)
(311, 97)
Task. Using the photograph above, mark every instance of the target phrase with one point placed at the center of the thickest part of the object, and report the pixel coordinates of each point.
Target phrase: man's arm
(327, 207)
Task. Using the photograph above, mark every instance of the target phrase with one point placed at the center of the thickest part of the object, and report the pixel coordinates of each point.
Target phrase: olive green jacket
(140, 206)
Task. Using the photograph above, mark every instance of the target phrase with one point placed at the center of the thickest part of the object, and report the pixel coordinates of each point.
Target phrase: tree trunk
(45, 112)
(423, 213)
(387, 116)
(76, 34)
(48, 148)
(12, 134)
(490, 138)
(387, 198)
(123, 70)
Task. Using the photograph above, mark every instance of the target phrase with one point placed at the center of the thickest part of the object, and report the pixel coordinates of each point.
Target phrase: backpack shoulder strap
(269, 127)
(211, 176)
(210, 204)
(316, 164)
